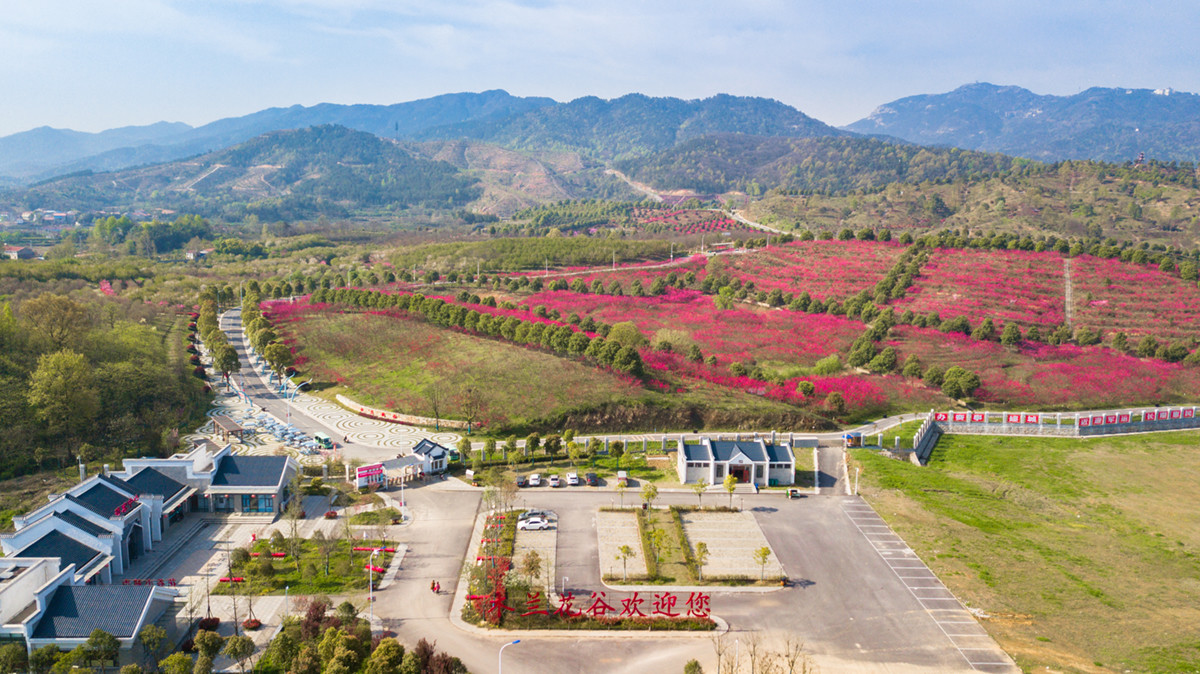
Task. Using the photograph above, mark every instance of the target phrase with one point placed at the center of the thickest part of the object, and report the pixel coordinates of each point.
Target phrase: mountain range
(1104, 124)
(1114, 125)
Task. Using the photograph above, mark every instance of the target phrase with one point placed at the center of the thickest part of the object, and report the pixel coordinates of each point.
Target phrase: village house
(19, 252)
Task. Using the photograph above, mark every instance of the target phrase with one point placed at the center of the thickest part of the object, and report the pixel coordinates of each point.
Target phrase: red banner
(1110, 418)
(1189, 413)
(1085, 421)
(1013, 419)
(941, 416)
(367, 471)
(978, 417)
(960, 416)
(1125, 418)
(1163, 415)
(1176, 414)
(1033, 418)
(1097, 421)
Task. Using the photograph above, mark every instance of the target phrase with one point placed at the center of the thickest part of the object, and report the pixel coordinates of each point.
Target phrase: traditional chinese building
(754, 461)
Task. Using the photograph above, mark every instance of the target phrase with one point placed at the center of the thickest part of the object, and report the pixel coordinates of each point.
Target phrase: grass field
(1082, 553)
(398, 363)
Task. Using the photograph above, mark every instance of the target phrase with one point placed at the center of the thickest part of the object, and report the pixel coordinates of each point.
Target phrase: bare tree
(754, 650)
(720, 644)
(793, 659)
(436, 398)
(471, 401)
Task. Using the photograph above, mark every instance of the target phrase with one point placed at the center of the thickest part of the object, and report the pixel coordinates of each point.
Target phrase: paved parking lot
(732, 540)
(613, 530)
(545, 544)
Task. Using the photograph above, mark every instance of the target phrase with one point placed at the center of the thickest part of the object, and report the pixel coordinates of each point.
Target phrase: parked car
(535, 480)
(522, 481)
(572, 479)
(529, 514)
(592, 480)
(533, 524)
(795, 493)
(622, 478)
(554, 481)
(331, 515)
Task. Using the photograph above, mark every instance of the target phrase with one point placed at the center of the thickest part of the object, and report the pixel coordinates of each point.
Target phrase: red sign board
(1085, 421)
(1176, 414)
(1012, 418)
(941, 416)
(1110, 418)
(978, 417)
(960, 416)
(125, 507)
(1098, 420)
(368, 471)
(1163, 415)
(1124, 418)
(1189, 413)
(1033, 418)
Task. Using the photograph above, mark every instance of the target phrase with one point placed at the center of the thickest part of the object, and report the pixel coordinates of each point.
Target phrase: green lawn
(1080, 551)
(409, 365)
(347, 572)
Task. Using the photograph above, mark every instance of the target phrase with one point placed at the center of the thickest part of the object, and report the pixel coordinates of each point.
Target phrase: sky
(91, 65)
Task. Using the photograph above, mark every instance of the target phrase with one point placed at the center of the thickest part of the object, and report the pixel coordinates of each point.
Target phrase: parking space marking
(947, 612)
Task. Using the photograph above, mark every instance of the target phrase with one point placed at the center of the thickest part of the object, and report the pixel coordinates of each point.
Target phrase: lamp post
(500, 658)
(371, 585)
(564, 586)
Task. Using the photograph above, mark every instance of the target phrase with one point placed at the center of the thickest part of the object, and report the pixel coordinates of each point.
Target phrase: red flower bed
(823, 269)
(1117, 296)
(1004, 285)
(734, 335)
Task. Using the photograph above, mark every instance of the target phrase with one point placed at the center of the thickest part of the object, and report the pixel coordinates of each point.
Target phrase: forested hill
(754, 164)
(1112, 125)
(48, 152)
(280, 175)
(635, 124)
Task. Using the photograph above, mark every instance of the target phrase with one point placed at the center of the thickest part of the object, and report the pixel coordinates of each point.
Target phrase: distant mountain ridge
(636, 124)
(1107, 124)
(280, 175)
(47, 152)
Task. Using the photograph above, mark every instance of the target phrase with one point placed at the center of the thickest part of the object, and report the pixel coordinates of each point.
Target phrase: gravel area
(732, 539)
(614, 529)
(545, 543)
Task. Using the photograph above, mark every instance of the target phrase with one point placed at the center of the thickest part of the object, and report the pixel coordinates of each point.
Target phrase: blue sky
(92, 65)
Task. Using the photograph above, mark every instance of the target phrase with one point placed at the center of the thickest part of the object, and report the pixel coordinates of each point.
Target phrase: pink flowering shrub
(823, 269)
(1004, 285)
(1117, 296)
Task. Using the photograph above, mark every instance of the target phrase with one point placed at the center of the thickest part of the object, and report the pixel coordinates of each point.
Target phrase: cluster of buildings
(58, 573)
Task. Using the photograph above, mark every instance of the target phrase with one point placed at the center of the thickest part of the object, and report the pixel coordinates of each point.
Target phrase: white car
(535, 480)
(554, 481)
(533, 524)
(572, 479)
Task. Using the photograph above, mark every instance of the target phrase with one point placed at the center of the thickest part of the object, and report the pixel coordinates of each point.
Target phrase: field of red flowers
(1136, 299)
(824, 269)
(1051, 377)
(1007, 286)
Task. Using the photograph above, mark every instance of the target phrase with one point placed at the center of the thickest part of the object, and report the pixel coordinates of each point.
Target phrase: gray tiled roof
(696, 453)
(150, 481)
(82, 523)
(431, 449)
(724, 450)
(101, 499)
(779, 453)
(116, 482)
(74, 611)
(250, 471)
(57, 544)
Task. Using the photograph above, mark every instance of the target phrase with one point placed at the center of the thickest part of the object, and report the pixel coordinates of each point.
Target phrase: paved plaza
(732, 540)
(613, 530)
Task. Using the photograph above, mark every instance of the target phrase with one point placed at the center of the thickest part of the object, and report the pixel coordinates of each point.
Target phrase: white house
(434, 457)
(754, 461)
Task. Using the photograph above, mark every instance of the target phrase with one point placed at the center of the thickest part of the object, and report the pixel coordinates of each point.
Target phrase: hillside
(281, 175)
(635, 124)
(754, 164)
(47, 152)
(1098, 123)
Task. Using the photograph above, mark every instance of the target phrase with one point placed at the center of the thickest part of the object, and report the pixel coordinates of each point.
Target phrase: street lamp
(371, 585)
(500, 658)
(564, 586)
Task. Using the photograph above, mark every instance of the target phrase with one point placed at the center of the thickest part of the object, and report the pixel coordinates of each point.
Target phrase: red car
(331, 515)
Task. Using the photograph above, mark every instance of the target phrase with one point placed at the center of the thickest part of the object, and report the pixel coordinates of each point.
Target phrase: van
(622, 478)
(323, 440)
